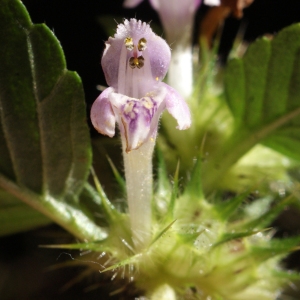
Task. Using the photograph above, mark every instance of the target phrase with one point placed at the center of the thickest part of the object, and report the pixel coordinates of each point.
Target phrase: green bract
(199, 249)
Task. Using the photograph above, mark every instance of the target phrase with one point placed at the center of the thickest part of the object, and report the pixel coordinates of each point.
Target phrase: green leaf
(45, 151)
(43, 130)
(15, 216)
(235, 90)
(264, 85)
(263, 92)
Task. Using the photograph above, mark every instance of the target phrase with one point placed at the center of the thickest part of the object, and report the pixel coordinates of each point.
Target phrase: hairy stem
(138, 173)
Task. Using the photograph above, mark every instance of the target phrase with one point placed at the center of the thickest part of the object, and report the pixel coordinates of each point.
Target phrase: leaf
(43, 130)
(45, 152)
(15, 216)
(263, 92)
(263, 85)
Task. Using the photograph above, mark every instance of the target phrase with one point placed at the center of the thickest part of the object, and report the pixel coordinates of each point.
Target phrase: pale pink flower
(134, 62)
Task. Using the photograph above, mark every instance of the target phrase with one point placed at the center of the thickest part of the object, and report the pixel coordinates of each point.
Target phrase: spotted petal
(138, 118)
(102, 116)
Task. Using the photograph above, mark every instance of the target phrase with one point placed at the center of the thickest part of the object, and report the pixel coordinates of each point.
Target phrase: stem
(138, 173)
(180, 75)
(67, 216)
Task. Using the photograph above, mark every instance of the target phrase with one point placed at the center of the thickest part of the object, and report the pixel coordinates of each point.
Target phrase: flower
(134, 62)
(177, 17)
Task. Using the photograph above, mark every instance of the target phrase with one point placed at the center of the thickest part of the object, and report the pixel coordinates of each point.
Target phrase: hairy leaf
(45, 152)
(263, 92)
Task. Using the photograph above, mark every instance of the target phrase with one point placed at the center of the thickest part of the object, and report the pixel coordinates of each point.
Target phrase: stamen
(136, 62)
(129, 43)
(140, 62)
(142, 44)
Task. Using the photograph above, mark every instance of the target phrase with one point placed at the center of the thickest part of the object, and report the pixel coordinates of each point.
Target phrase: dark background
(78, 24)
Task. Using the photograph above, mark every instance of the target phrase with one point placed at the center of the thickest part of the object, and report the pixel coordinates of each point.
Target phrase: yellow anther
(136, 62)
(129, 43)
(142, 44)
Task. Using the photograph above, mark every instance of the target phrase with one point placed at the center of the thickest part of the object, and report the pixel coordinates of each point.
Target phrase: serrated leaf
(44, 132)
(45, 152)
(263, 92)
(264, 85)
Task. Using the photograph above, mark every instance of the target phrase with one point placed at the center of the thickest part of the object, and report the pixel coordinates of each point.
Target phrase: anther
(142, 45)
(129, 43)
(136, 62)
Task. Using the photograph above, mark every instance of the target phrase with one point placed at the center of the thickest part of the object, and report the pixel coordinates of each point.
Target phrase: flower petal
(138, 118)
(212, 2)
(115, 58)
(178, 108)
(177, 17)
(131, 3)
(102, 115)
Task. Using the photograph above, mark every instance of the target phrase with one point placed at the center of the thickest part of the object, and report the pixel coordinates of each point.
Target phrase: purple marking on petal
(138, 118)
(102, 116)
(178, 108)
